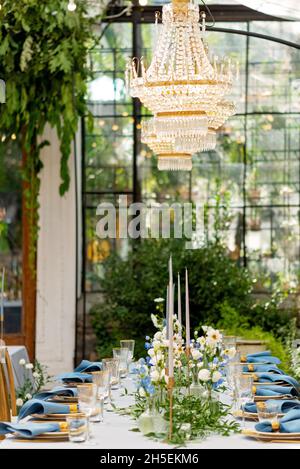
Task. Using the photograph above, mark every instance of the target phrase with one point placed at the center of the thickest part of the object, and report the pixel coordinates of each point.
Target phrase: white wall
(56, 264)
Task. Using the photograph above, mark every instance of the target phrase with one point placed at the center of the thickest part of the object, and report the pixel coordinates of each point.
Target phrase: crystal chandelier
(182, 88)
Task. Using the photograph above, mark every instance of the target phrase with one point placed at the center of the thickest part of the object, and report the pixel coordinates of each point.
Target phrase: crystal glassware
(267, 411)
(129, 344)
(121, 353)
(102, 380)
(245, 392)
(112, 365)
(77, 427)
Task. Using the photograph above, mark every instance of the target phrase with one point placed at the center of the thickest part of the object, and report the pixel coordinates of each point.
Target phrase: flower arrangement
(202, 412)
(35, 378)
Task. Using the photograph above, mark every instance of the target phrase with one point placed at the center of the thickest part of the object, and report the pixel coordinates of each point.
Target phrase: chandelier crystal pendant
(182, 88)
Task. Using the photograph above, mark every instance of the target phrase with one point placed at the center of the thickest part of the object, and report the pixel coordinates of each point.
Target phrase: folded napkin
(273, 378)
(36, 406)
(274, 390)
(88, 366)
(262, 368)
(290, 423)
(58, 391)
(260, 357)
(75, 377)
(28, 429)
(283, 406)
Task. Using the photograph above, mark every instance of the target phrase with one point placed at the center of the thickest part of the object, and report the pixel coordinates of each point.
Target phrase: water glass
(102, 380)
(112, 365)
(77, 427)
(267, 411)
(87, 398)
(121, 353)
(245, 392)
(128, 343)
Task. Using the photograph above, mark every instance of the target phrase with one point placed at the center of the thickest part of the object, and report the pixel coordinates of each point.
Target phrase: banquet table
(115, 433)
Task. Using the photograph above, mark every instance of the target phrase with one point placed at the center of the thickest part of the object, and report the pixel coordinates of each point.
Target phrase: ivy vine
(43, 60)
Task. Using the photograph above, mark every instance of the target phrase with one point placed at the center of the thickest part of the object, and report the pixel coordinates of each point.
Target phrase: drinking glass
(267, 411)
(102, 381)
(245, 392)
(87, 400)
(121, 353)
(229, 341)
(77, 428)
(128, 343)
(112, 365)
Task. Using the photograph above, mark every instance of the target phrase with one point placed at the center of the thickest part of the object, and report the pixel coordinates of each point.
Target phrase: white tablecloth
(115, 433)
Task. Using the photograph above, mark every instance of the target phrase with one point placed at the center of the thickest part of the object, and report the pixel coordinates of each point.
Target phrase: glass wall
(255, 167)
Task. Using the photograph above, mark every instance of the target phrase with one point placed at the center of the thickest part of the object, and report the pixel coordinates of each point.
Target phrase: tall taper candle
(171, 313)
(179, 303)
(187, 311)
(167, 314)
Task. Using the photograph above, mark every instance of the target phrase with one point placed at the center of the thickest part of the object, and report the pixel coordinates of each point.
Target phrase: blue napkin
(75, 378)
(88, 366)
(28, 429)
(290, 423)
(262, 368)
(274, 390)
(273, 378)
(36, 406)
(58, 391)
(261, 357)
(283, 406)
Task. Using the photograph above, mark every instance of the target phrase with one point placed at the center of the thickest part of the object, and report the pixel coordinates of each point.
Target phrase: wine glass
(102, 380)
(245, 392)
(128, 343)
(87, 400)
(112, 365)
(121, 353)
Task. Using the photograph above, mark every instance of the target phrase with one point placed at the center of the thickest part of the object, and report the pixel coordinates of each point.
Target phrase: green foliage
(43, 52)
(131, 285)
(242, 326)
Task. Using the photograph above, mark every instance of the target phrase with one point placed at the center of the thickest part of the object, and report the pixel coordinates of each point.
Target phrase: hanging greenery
(43, 60)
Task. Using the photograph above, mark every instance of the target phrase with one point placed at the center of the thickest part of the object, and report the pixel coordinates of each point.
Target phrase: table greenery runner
(197, 410)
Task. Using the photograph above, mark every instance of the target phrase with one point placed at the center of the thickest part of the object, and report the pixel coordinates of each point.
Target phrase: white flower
(29, 366)
(196, 354)
(213, 336)
(19, 402)
(159, 300)
(22, 362)
(151, 352)
(216, 376)
(154, 320)
(200, 364)
(28, 396)
(155, 375)
(204, 375)
(142, 392)
(36, 374)
(201, 340)
(158, 336)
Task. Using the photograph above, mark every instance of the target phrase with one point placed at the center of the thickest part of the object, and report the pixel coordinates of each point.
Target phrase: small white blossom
(196, 354)
(216, 376)
(29, 366)
(19, 402)
(204, 375)
(154, 320)
(142, 392)
(36, 374)
(22, 362)
(28, 396)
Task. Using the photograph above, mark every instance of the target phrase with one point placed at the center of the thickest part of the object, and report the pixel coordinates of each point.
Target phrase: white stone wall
(56, 264)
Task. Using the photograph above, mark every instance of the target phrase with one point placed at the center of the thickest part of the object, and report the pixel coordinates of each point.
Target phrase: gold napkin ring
(255, 377)
(253, 389)
(275, 426)
(243, 359)
(73, 408)
(250, 367)
(63, 426)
